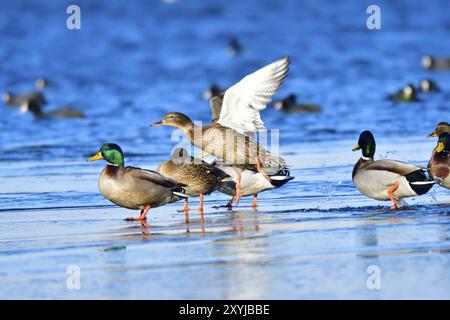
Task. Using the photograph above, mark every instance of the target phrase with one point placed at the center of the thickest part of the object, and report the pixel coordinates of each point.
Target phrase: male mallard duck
(226, 138)
(36, 98)
(427, 85)
(407, 94)
(441, 127)
(290, 105)
(436, 63)
(198, 177)
(386, 179)
(131, 187)
(439, 164)
(62, 113)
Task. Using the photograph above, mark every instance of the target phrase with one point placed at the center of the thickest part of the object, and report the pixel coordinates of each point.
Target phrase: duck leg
(145, 227)
(200, 207)
(255, 201)
(143, 215)
(258, 168)
(238, 189)
(391, 195)
(230, 203)
(186, 209)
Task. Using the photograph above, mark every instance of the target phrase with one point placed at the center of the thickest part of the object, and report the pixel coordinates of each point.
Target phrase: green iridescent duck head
(111, 153)
(367, 144)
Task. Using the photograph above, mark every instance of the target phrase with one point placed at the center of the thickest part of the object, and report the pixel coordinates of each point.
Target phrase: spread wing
(243, 101)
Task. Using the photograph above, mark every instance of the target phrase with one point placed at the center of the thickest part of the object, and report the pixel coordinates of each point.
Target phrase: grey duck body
(374, 178)
(136, 188)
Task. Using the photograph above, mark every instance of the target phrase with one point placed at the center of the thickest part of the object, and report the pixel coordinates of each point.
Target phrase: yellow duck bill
(357, 147)
(440, 147)
(95, 157)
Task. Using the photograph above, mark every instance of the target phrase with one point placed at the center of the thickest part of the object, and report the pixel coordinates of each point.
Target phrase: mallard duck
(386, 179)
(36, 98)
(252, 182)
(290, 105)
(407, 94)
(41, 83)
(441, 127)
(439, 164)
(62, 113)
(427, 85)
(212, 91)
(436, 63)
(198, 177)
(234, 47)
(226, 138)
(131, 187)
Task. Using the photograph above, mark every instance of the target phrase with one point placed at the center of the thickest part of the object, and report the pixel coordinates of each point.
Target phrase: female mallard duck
(407, 94)
(439, 165)
(252, 182)
(290, 105)
(226, 138)
(61, 113)
(386, 179)
(198, 177)
(442, 127)
(131, 187)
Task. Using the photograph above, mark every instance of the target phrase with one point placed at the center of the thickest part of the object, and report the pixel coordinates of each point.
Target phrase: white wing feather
(244, 100)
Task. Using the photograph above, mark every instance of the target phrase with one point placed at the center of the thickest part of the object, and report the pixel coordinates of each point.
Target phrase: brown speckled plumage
(226, 144)
(198, 176)
(235, 148)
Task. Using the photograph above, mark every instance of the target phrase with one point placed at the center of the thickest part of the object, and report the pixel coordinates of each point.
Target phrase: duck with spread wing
(228, 138)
